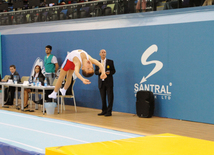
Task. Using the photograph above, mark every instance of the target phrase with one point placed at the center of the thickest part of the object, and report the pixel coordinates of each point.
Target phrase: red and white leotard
(68, 63)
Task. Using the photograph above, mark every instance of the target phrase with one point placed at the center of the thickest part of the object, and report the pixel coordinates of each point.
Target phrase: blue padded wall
(183, 85)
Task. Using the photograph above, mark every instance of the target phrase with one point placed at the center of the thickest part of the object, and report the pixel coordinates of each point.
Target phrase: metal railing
(69, 11)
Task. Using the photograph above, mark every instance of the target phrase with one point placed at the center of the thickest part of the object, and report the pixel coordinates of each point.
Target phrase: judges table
(43, 88)
(3, 84)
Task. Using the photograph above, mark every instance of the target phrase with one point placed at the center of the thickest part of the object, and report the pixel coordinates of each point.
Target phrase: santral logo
(158, 90)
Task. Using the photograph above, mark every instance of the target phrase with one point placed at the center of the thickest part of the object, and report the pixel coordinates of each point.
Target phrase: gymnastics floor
(24, 134)
(32, 134)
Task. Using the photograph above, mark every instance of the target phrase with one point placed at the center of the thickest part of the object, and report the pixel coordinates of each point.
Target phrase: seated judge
(37, 74)
(9, 92)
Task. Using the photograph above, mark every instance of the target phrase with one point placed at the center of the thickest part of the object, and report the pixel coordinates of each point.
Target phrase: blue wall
(183, 87)
(0, 57)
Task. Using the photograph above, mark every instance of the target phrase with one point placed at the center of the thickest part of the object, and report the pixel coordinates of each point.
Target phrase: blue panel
(0, 57)
(27, 134)
(6, 149)
(182, 86)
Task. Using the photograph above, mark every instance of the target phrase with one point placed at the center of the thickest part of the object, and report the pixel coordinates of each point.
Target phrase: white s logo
(149, 51)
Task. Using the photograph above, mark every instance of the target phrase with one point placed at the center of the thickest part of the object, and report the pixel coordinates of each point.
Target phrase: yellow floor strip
(162, 144)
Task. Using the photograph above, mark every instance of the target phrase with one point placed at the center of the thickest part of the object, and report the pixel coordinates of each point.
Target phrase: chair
(50, 16)
(63, 14)
(5, 20)
(32, 17)
(72, 13)
(75, 15)
(107, 11)
(28, 19)
(112, 6)
(19, 19)
(44, 16)
(54, 82)
(86, 13)
(68, 96)
(97, 11)
(36, 17)
(54, 15)
(6, 77)
(24, 78)
(91, 11)
(31, 93)
(82, 14)
(129, 6)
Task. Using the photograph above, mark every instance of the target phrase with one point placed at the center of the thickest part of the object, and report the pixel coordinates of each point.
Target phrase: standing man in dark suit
(9, 92)
(106, 85)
